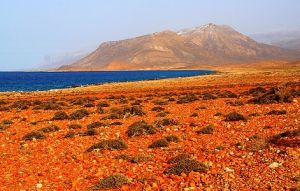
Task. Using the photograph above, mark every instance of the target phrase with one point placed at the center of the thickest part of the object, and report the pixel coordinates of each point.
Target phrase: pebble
(274, 165)
(39, 185)
(228, 169)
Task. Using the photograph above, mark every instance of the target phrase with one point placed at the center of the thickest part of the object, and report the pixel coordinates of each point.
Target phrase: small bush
(284, 139)
(208, 96)
(70, 134)
(187, 99)
(233, 116)
(124, 157)
(74, 126)
(114, 144)
(141, 158)
(159, 143)
(172, 138)
(186, 166)
(96, 124)
(21, 105)
(140, 128)
(277, 112)
(162, 114)
(209, 129)
(49, 129)
(111, 182)
(89, 132)
(257, 143)
(4, 108)
(273, 95)
(158, 109)
(254, 115)
(256, 91)
(235, 103)
(133, 111)
(6, 122)
(194, 115)
(116, 123)
(50, 106)
(79, 114)
(218, 114)
(103, 104)
(159, 102)
(60, 115)
(2, 102)
(227, 94)
(178, 158)
(33, 135)
(100, 110)
(165, 122)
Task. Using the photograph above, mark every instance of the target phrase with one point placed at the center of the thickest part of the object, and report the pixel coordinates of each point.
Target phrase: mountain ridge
(188, 48)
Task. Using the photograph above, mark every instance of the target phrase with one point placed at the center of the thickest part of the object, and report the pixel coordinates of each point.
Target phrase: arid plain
(237, 129)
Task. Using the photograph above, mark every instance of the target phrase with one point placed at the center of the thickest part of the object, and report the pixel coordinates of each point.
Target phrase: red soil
(235, 158)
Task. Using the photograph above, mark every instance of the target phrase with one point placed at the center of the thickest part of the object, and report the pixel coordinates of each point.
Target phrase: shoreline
(219, 77)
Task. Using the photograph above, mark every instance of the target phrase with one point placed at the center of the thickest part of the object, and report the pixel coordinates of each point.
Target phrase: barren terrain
(234, 130)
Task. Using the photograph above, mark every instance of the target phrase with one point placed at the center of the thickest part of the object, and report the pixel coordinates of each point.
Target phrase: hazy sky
(33, 29)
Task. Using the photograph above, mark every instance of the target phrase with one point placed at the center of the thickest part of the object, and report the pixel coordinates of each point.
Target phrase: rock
(274, 165)
(39, 185)
(228, 169)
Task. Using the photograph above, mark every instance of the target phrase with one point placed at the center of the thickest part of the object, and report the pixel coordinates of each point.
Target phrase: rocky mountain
(186, 49)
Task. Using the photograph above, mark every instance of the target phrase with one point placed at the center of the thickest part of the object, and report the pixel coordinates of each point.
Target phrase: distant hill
(185, 49)
(289, 39)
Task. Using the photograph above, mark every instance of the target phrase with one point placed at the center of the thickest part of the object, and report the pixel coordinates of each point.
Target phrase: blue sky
(33, 29)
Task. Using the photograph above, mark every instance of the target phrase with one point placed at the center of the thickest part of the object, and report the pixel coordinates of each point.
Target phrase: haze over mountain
(289, 39)
(185, 49)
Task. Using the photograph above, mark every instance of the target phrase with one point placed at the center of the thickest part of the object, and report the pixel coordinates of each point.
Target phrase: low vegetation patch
(60, 115)
(277, 112)
(165, 122)
(257, 143)
(178, 158)
(186, 166)
(158, 109)
(33, 135)
(140, 128)
(89, 132)
(96, 124)
(74, 126)
(273, 95)
(189, 98)
(159, 143)
(286, 138)
(115, 144)
(234, 116)
(114, 181)
(209, 129)
(49, 129)
(79, 114)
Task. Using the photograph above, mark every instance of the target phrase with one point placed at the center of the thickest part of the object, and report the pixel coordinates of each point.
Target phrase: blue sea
(40, 81)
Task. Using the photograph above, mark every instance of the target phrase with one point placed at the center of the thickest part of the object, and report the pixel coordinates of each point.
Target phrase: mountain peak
(210, 27)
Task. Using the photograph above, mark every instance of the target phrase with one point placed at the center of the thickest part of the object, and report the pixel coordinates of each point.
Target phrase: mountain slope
(188, 48)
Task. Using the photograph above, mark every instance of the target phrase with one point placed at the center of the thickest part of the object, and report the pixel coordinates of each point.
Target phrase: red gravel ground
(238, 155)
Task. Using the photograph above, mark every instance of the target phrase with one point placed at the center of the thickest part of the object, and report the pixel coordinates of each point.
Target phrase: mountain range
(185, 49)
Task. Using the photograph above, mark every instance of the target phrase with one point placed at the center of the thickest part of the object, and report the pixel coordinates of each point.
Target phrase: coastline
(221, 76)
